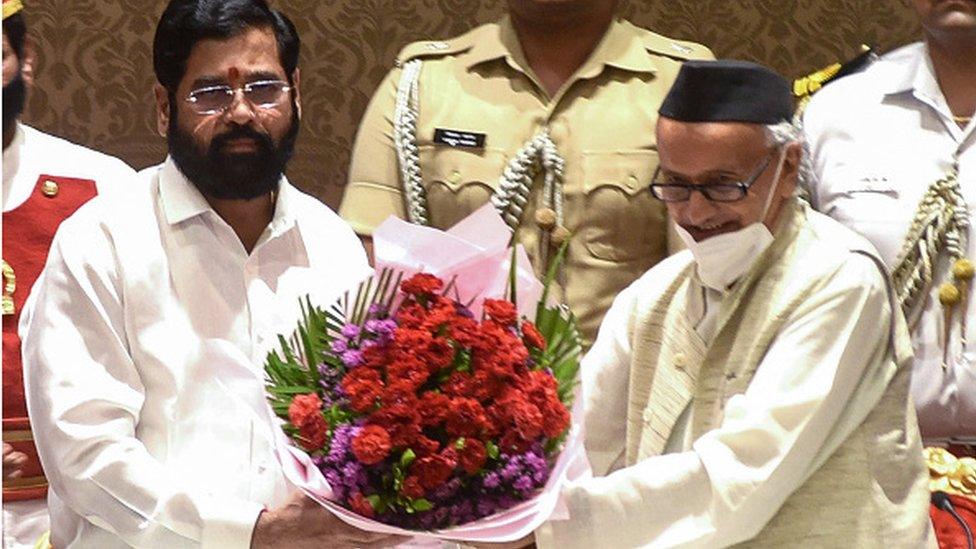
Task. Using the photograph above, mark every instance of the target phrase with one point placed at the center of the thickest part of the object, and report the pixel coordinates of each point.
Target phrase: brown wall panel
(94, 71)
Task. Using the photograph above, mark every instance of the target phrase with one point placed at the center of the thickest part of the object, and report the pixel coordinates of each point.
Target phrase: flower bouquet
(425, 402)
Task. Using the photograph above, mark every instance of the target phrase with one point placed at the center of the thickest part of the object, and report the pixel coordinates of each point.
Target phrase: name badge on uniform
(459, 138)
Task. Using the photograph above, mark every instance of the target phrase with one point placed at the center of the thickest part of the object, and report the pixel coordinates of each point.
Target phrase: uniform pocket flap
(628, 170)
(457, 167)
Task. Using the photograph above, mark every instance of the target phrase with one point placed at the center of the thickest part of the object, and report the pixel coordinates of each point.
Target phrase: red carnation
(514, 443)
(472, 456)
(466, 418)
(314, 432)
(527, 419)
(501, 311)
(557, 418)
(401, 421)
(363, 386)
(302, 407)
(412, 488)
(433, 408)
(371, 445)
(361, 505)
(424, 446)
(421, 284)
(531, 336)
(432, 471)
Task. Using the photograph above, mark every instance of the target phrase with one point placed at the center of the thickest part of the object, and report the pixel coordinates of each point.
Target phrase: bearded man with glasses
(752, 389)
(144, 347)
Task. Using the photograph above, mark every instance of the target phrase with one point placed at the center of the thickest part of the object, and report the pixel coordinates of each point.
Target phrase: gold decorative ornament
(949, 296)
(50, 189)
(559, 235)
(9, 287)
(950, 474)
(545, 218)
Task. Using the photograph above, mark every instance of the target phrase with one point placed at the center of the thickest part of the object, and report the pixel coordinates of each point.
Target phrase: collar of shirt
(181, 200)
(620, 47)
(914, 75)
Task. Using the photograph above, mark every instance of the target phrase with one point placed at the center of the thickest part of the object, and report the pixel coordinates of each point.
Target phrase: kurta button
(680, 360)
(49, 189)
(455, 177)
(632, 183)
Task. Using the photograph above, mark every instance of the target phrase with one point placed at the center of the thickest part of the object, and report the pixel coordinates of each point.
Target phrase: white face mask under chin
(722, 259)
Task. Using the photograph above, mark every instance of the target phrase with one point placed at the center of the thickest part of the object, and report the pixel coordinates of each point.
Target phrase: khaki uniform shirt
(602, 121)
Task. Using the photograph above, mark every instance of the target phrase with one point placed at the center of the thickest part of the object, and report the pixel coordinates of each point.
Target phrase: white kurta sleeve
(605, 375)
(84, 396)
(815, 385)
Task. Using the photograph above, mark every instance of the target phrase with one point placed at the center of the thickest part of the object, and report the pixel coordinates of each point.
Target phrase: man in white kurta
(151, 323)
(751, 390)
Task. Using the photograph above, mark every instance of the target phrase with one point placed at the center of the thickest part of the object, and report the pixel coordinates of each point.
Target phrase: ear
(27, 63)
(162, 109)
(791, 169)
(296, 78)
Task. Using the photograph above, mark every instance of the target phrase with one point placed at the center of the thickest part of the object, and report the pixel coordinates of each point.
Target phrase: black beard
(232, 176)
(14, 96)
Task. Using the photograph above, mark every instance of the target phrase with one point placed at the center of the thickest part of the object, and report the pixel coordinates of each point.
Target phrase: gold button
(545, 218)
(455, 177)
(679, 360)
(559, 235)
(49, 189)
(632, 182)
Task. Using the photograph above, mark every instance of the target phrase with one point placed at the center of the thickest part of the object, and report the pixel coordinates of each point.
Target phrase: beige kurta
(602, 122)
(800, 430)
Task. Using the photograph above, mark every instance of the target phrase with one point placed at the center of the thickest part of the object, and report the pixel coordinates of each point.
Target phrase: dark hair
(186, 22)
(15, 29)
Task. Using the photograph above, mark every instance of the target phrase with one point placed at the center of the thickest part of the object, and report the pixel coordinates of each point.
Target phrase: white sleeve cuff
(230, 524)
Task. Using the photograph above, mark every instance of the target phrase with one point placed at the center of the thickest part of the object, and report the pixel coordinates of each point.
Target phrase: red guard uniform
(45, 180)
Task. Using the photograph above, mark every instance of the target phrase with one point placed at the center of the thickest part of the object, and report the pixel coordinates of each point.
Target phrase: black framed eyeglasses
(679, 191)
(263, 94)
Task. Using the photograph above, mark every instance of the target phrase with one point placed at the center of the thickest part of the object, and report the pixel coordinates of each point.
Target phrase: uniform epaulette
(805, 87)
(677, 49)
(434, 48)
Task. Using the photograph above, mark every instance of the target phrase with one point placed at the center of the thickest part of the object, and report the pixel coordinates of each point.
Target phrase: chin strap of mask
(941, 225)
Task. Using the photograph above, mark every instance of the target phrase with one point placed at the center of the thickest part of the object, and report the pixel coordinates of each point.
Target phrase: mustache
(263, 140)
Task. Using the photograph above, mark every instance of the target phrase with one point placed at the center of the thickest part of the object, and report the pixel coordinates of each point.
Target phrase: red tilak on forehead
(233, 73)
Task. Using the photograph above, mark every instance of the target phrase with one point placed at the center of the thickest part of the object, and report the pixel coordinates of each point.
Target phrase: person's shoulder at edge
(434, 49)
(661, 45)
(865, 88)
(71, 159)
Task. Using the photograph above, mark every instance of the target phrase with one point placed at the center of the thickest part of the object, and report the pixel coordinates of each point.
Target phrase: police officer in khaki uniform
(549, 114)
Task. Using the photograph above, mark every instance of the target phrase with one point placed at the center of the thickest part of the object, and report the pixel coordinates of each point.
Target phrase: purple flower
(375, 310)
(350, 331)
(491, 480)
(523, 484)
(339, 346)
(352, 358)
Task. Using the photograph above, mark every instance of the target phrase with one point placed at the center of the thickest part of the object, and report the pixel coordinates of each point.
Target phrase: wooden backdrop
(94, 70)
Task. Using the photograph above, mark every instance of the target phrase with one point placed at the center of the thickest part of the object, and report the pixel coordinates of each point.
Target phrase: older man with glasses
(752, 389)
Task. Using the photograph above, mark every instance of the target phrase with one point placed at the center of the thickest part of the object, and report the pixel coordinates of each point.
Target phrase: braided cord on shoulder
(941, 223)
(405, 114)
(515, 184)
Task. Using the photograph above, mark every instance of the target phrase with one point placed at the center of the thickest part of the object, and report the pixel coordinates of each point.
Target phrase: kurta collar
(181, 200)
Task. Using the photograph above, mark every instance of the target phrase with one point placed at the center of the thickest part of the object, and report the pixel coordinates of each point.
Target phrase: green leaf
(459, 444)
(491, 449)
(407, 458)
(421, 504)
